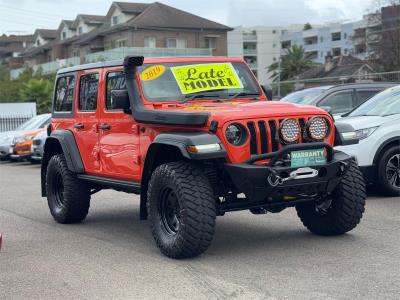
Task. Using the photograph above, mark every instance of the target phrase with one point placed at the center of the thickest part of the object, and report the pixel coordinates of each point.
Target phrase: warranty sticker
(152, 73)
(206, 77)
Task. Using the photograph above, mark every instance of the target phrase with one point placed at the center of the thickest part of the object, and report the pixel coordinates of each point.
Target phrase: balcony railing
(50, 67)
(120, 53)
(250, 37)
(114, 54)
(250, 51)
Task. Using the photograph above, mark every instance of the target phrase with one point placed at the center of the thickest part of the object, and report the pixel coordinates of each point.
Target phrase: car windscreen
(34, 123)
(304, 96)
(181, 81)
(383, 104)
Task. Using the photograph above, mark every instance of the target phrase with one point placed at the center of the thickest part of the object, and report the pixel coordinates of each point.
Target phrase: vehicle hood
(229, 111)
(8, 136)
(362, 122)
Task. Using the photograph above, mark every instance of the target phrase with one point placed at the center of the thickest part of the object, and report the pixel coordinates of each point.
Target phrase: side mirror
(268, 91)
(120, 100)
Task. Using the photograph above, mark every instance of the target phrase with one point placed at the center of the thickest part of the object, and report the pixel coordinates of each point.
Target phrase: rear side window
(115, 81)
(339, 102)
(88, 90)
(364, 95)
(64, 96)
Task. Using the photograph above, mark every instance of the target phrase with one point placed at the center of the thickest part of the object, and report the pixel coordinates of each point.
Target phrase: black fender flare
(61, 141)
(70, 149)
(179, 141)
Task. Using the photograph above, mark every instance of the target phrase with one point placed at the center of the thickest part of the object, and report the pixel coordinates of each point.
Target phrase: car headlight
(289, 130)
(317, 128)
(366, 132)
(236, 134)
(22, 139)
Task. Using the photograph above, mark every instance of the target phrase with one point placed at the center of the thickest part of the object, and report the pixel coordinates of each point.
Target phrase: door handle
(79, 126)
(105, 127)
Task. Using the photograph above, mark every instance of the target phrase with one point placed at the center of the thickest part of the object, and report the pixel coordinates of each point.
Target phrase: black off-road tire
(67, 196)
(383, 185)
(345, 211)
(195, 210)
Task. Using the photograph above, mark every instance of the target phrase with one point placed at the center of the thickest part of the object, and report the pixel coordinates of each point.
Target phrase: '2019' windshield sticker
(152, 72)
(206, 77)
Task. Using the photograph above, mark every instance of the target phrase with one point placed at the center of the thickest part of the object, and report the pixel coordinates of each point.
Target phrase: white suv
(377, 126)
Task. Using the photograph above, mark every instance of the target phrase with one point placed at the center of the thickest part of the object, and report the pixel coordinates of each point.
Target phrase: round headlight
(236, 134)
(317, 128)
(289, 130)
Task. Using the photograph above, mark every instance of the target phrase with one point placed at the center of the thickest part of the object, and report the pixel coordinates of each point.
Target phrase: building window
(345, 36)
(76, 53)
(121, 43)
(274, 31)
(176, 43)
(150, 42)
(336, 36)
(336, 51)
(64, 35)
(321, 39)
(273, 45)
(286, 44)
(115, 20)
(345, 51)
(211, 42)
(80, 30)
(322, 54)
(37, 42)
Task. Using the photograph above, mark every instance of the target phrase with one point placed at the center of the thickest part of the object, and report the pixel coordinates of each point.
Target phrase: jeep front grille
(264, 135)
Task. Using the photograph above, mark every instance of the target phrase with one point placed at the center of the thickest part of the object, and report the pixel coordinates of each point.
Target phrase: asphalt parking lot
(112, 254)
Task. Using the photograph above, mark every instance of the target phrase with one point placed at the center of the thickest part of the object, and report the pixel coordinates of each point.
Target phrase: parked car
(377, 125)
(196, 138)
(7, 138)
(338, 99)
(22, 145)
(37, 146)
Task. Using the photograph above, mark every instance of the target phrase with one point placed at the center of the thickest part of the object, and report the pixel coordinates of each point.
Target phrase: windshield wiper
(198, 96)
(242, 94)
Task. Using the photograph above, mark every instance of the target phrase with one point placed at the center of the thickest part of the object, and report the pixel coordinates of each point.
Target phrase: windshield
(187, 81)
(34, 123)
(383, 104)
(304, 97)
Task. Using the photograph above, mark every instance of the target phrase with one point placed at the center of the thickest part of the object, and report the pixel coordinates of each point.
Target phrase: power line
(34, 11)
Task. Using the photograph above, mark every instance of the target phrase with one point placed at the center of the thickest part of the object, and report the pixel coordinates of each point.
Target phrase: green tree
(307, 26)
(292, 64)
(39, 91)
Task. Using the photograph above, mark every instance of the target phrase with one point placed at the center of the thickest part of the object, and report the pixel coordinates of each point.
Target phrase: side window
(115, 81)
(364, 95)
(88, 88)
(339, 102)
(64, 95)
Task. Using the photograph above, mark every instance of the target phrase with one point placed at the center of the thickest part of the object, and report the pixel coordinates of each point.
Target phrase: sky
(24, 16)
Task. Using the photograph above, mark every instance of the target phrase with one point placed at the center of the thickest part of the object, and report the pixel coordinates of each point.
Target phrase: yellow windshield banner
(206, 77)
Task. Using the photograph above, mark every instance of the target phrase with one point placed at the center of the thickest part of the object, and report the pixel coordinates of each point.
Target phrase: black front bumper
(260, 182)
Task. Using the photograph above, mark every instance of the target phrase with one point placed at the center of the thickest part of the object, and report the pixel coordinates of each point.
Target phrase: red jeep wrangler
(196, 138)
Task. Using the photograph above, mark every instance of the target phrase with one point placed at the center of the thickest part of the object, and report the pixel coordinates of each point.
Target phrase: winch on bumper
(277, 179)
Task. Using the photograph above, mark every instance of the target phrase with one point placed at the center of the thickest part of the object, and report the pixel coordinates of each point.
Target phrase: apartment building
(11, 46)
(152, 29)
(260, 46)
(332, 39)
